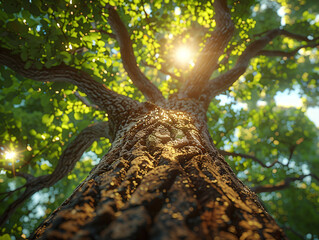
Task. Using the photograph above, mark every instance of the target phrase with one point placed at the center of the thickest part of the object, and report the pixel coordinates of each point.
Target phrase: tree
(106, 70)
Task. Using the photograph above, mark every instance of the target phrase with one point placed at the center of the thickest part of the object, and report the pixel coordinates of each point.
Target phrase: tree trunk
(162, 179)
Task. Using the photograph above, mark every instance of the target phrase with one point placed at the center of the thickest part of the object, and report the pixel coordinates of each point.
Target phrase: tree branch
(288, 34)
(224, 81)
(66, 163)
(291, 153)
(300, 236)
(111, 35)
(297, 37)
(85, 101)
(255, 159)
(207, 60)
(103, 97)
(281, 185)
(19, 174)
(277, 53)
(9, 193)
(149, 90)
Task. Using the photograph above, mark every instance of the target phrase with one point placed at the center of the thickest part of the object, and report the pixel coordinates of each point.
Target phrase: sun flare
(10, 155)
(183, 55)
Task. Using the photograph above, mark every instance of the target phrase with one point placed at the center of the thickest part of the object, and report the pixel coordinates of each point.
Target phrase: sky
(285, 99)
(293, 99)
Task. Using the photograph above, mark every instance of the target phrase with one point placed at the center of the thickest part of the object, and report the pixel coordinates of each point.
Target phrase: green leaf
(101, 43)
(5, 237)
(33, 132)
(66, 57)
(78, 116)
(47, 119)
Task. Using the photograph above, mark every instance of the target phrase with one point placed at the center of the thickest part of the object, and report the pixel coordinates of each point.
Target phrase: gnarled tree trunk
(162, 179)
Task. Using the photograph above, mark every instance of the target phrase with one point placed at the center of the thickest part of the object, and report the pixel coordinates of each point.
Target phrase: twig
(294, 232)
(281, 185)
(255, 159)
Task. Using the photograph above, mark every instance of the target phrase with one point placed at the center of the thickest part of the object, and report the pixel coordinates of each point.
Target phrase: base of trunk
(162, 179)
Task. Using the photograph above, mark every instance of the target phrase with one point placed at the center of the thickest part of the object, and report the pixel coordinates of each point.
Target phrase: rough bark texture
(162, 179)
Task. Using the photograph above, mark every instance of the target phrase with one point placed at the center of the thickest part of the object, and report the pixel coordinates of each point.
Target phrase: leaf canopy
(39, 119)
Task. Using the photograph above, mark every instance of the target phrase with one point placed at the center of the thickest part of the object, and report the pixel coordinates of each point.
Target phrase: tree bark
(162, 179)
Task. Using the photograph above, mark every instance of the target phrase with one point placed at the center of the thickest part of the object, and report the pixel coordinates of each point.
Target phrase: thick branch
(282, 185)
(149, 90)
(224, 81)
(255, 159)
(104, 98)
(207, 60)
(77, 147)
(66, 163)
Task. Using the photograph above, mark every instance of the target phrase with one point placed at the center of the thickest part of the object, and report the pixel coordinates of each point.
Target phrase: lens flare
(183, 55)
(10, 155)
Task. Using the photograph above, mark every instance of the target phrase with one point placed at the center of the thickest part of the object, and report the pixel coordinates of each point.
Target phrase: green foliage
(38, 120)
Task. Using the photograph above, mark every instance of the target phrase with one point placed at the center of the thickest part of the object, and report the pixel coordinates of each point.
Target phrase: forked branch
(224, 81)
(103, 97)
(149, 90)
(66, 163)
(207, 60)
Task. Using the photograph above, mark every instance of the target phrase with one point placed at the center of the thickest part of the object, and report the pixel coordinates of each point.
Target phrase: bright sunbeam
(183, 55)
(10, 155)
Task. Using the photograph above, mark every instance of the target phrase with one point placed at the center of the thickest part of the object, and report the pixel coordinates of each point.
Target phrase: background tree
(244, 54)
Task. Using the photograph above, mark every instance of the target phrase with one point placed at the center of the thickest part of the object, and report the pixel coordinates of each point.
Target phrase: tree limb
(149, 90)
(66, 163)
(19, 174)
(277, 53)
(9, 193)
(111, 35)
(85, 101)
(297, 37)
(103, 97)
(207, 60)
(255, 159)
(286, 33)
(224, 81)
(281, 185)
